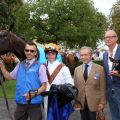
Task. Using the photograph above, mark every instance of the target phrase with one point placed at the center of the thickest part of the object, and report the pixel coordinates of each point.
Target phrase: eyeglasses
(109, 37)
(27, 50)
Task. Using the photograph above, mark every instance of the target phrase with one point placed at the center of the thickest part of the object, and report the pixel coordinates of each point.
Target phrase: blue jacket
(28, 79)
(112, 82)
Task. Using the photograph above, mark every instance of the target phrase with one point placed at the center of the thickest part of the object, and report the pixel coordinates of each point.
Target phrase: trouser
(86, 114)
(114, 104)
(33, 111)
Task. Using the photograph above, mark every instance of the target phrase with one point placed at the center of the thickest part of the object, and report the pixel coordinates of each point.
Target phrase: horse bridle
(4, 93)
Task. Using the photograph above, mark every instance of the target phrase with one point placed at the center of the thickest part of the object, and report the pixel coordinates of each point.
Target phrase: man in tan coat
(89, 78)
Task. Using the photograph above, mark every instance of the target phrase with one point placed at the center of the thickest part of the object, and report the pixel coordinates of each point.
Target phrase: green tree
(72, 22)
(7, 10)
(115, 16)
(23, 25)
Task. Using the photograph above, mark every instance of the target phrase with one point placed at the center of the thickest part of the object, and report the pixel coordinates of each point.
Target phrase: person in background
(63, 76)
(89, 79)
(112, 75)
(30, 75)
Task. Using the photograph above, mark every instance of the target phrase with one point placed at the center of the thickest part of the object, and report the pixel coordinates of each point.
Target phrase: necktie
(27, 64)
(85, 74)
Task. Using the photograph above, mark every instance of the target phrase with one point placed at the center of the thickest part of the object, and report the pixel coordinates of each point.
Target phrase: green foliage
(9, 88)
(7, 10)
(23, 23)
(115, 15)
(72, 22)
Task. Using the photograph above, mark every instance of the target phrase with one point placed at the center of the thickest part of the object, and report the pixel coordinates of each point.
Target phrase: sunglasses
(27, 50)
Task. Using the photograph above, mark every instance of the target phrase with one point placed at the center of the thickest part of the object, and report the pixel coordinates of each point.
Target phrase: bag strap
(55, 72)
(48, 74)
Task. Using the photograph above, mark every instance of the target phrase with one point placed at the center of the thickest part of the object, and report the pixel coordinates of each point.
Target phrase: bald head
(110, 38)
(111, 32)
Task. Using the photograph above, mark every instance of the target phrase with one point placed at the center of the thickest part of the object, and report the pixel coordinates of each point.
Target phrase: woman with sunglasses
(63, 75)
(31, 80)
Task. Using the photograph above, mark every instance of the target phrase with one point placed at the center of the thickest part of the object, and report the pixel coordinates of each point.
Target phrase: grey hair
(86, 47)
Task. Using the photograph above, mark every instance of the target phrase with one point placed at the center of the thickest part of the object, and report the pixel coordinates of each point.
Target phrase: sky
(104, 6)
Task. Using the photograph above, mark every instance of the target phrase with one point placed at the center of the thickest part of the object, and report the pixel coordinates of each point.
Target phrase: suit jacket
(112, 82)
(93, 88)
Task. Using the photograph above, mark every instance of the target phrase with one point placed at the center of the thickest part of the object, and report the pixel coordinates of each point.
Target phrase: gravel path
(4, 114)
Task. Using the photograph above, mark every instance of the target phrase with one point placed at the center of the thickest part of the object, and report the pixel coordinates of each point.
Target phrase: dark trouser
(114, 104)
(86, 114)
(32, 111)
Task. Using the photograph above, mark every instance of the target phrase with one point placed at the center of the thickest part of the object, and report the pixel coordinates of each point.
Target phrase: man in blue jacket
(30, 75)
(112, 75)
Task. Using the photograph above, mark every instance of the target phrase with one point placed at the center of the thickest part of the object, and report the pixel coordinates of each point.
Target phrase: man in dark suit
(91, 85)
(112, 75)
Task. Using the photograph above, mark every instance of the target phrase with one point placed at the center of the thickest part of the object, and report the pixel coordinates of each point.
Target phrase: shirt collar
(31, 61)
(89, 64)
(114, 50)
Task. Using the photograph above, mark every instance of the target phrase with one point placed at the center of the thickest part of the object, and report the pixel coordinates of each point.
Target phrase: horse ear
(11, 26)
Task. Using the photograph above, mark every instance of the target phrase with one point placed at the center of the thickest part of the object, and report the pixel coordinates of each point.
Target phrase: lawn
(9, 89)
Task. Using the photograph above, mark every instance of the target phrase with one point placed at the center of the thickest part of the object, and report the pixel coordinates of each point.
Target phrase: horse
(70, 60)
(9, 42)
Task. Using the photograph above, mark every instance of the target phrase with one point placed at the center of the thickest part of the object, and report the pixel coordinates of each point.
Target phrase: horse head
(9, 42)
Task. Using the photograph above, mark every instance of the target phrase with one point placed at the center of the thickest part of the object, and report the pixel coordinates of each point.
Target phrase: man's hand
(30, 95)
(100, 107)
(115, 73)
(76, 105)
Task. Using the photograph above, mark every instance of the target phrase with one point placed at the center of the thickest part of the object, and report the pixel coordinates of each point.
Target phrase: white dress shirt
(62, 77)
(113, 55)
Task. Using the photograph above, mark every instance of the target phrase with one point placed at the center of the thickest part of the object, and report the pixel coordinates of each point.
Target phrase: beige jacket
(93, 88)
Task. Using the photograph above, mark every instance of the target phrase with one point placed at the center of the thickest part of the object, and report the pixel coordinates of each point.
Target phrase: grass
(9, 89)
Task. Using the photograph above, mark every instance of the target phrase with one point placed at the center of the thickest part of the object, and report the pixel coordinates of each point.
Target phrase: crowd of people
(95, 84)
